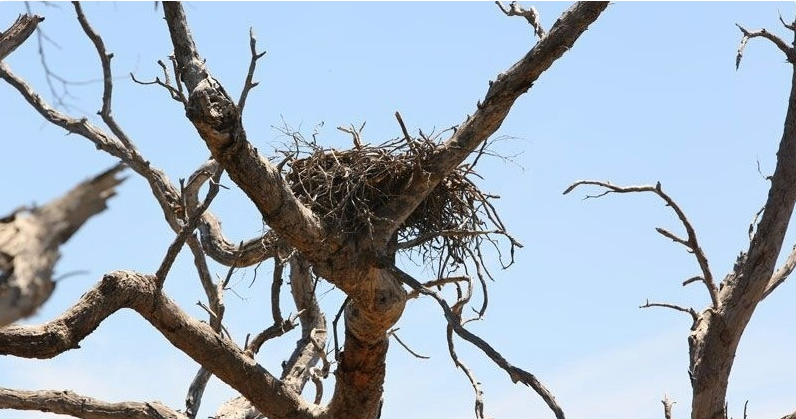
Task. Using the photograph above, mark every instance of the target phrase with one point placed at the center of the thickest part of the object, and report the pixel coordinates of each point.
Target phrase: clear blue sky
(650, 93)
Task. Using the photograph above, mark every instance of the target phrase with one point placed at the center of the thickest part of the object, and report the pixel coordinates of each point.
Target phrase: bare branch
(19, 31)
(121, 289)
(691, 243)
(790, 53)
(531, 15)
(393, 333)
(781, 274)
(69, 403)
(516, 374)
(187, 229)
(689, 310)
(438, 283)
(787, 25)
(30, 241)
(107, 78)
(490, 113)
(667, 406)
(479, 393)
(249, 84)
(217, 119)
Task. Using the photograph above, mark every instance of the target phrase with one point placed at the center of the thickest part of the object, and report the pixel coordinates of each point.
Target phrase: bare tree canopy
(298, 305)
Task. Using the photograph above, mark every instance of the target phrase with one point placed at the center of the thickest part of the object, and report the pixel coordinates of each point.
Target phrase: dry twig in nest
(346, 187)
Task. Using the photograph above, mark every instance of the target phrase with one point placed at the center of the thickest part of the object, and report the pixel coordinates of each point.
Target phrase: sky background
(649, 93)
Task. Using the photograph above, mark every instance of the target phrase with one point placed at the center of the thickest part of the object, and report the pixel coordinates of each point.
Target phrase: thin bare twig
(690, 243)
(249, 84)
(393, 333)
(689, 310)
(107, 80)
(516, 374)
(783, 46)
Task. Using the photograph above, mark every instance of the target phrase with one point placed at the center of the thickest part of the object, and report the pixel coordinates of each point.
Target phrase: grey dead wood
(73, 404)
(30, 240)
(19, 31)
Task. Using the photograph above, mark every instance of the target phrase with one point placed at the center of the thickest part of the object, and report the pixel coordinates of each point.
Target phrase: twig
(394, 334)
(690, 243)
(334, 328)
(107, 79)
(790, 53)
(516, 374)
(688, 310)
(437, 283)
(186, 230)
(531, 15)
(781, 274)
(787, 25)
(249, 84)
(479, 393)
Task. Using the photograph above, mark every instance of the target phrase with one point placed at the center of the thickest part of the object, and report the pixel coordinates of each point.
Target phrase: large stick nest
(346, 187)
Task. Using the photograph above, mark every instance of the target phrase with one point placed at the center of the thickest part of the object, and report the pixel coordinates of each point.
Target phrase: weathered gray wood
(29, 241)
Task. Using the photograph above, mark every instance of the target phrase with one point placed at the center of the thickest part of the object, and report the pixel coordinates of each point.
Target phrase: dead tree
(337, 216)
(717, 329)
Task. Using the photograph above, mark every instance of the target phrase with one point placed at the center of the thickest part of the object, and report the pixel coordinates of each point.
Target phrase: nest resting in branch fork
(346, 188)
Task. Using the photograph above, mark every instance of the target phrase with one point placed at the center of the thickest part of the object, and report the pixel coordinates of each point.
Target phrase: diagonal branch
(489, 115)
(19, 31)
(531, 15)
(516, 374)
(217, 246)
(691, 242)
(217, 119)
(781, 274)
(30, 241)
(124, 289)
(73, 404)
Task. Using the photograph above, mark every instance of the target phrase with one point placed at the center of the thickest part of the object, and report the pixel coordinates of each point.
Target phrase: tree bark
(717, 332)
(29, 241)
(19, 31)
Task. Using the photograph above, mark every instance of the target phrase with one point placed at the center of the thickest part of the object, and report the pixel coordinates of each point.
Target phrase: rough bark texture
(69, 403)
(19, 31)
(29, 241)
(717, 332)
(122, 289)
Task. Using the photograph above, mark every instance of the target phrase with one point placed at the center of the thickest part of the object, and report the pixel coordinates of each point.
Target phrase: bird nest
(345, 188)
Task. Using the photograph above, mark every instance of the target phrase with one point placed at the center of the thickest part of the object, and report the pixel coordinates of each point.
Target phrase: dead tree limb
(30, 239)
(69, 403)
(124, 289)
(19, 31)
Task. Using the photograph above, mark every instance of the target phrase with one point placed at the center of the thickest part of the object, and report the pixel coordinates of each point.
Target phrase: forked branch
(783, 46)
(690, 242)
